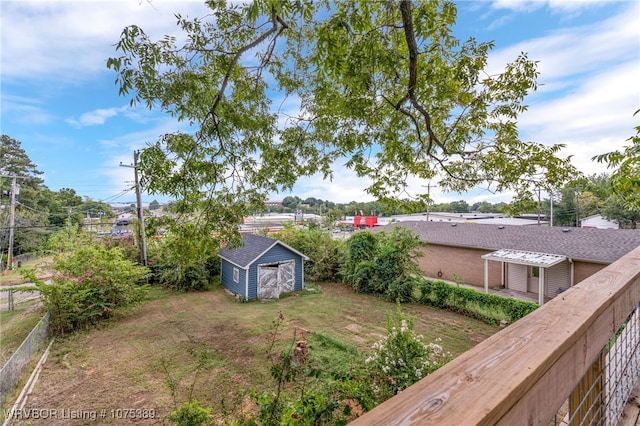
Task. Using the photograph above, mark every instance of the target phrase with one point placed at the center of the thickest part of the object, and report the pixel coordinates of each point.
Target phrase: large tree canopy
(278, 89)
(625, 180)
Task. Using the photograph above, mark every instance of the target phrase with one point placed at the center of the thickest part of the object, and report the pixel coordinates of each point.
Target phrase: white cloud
(25, 111)
(590, 91)
(72, 40)
(574, 51)
(95, 117)
(556, 5)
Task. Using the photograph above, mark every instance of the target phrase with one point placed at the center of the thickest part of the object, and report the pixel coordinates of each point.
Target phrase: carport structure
(527, 258)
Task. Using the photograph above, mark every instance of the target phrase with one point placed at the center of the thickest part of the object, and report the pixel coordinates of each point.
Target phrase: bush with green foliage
(326, 254)
(190, 414)
(401, 358)
(90, 281)
(490, 308)
(306, 390)
(172, 267)
(383, 263)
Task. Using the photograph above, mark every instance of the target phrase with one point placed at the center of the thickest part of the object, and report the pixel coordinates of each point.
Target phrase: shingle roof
(253, 247)
(588, 244)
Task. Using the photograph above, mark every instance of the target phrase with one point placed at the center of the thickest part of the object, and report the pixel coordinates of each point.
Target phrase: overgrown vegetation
(306, 392)
(177, 264)
(326, 255)
(89, 282)
(490, 308)
(340, 327)
(401, 358)
(383, 263)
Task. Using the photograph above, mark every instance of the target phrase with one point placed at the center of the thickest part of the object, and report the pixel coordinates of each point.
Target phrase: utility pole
(141, 235)
(428, 186)
(577, 209)
(551, 206)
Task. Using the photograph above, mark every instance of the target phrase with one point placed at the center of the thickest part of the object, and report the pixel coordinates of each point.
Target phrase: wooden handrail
(524, 373)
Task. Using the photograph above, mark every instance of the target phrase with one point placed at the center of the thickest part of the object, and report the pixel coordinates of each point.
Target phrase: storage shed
(262, 268)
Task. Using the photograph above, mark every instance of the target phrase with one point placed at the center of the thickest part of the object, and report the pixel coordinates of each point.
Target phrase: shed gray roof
(253, 247)
(588, 244)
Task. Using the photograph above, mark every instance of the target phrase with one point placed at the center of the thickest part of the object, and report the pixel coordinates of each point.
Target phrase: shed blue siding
(271, 253)
(277, 254)
(226, 278)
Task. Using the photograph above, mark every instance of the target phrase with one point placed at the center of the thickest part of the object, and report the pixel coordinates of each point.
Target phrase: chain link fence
(14, 368)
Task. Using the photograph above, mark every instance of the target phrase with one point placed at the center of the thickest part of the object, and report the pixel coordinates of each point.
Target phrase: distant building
(599, 222)
(475, 217)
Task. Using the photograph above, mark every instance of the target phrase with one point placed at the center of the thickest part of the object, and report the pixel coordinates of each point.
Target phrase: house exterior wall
(466, 263)
(277, 254)
(226, 278)
(557, 277)
(583, 270)
(517, 278)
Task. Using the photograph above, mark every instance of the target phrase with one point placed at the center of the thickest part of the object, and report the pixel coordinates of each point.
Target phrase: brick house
(521, 258)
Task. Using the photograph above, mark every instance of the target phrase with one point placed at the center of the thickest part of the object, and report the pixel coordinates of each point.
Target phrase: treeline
(39, 211)
(584, 197)
(291, 204)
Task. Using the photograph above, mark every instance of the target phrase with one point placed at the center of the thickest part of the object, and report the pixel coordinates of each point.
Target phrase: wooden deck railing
(525, 373)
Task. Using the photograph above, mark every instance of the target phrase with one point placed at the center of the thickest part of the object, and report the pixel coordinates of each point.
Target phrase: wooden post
(486, 276)
(541, 285)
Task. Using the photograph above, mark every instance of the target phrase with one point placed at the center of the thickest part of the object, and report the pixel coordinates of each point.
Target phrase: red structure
(365, 221)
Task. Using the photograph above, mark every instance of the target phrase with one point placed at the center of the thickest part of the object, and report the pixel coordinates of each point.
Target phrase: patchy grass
(130, 362)
(16, 325)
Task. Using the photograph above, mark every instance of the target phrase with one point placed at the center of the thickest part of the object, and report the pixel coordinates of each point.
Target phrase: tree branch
(412, 45)
(275, 21)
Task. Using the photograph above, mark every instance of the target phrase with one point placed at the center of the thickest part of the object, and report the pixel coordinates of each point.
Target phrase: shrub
(190, 414)
(490, 308)
(172, 270)
(90, 282)
(401, 289)
(187, 278)
(382, 263)
(401, 358)
(326, 255)
(304, 393)
(361, 247)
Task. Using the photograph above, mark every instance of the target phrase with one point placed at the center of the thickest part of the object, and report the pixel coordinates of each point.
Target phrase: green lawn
(16, 325)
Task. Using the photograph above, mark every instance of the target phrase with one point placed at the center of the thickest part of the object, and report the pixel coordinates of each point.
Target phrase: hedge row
(489, 308)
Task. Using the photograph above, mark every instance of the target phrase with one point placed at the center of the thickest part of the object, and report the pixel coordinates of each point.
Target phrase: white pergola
(529, 258)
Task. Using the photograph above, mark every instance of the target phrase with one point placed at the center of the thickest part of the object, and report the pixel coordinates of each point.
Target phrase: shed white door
(276, 279)
(286, 276)
(268, 282)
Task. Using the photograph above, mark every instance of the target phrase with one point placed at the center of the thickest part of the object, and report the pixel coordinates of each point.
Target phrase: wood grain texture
(524, 373)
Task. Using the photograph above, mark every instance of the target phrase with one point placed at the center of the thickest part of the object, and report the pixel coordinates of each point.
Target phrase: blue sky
(60, 101)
